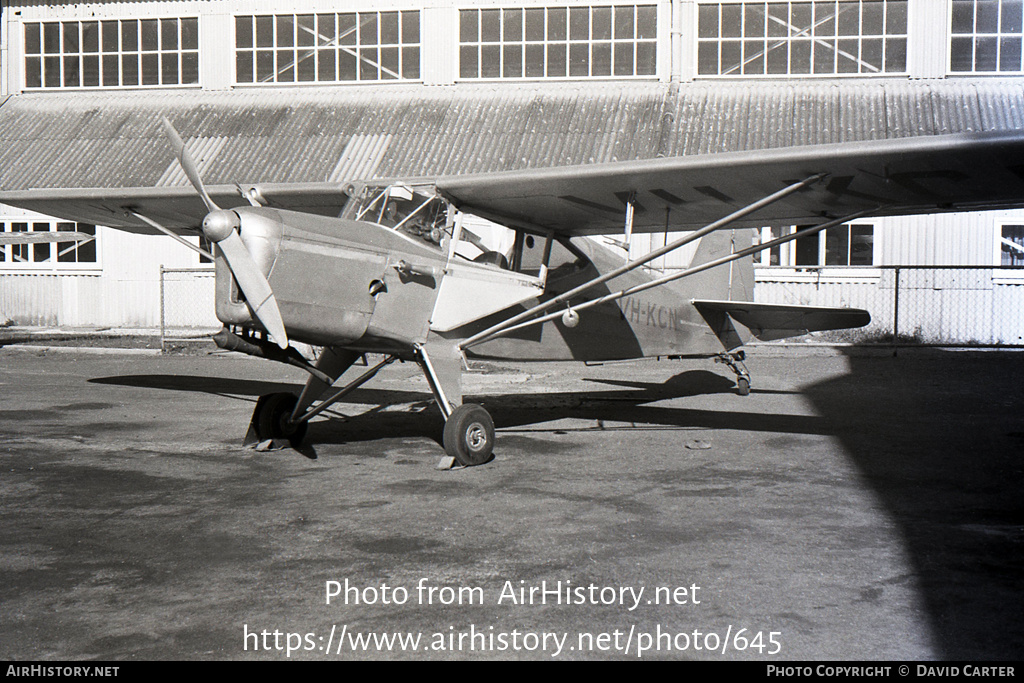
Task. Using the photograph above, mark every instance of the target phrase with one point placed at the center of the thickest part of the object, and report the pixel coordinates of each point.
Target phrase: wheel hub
(476, 436)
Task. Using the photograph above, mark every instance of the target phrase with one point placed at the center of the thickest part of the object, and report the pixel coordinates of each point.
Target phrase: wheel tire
(272, 422)
(743, 386)
(469, 435)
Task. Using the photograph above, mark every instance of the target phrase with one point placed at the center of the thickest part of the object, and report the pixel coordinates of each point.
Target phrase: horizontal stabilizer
(778, 321)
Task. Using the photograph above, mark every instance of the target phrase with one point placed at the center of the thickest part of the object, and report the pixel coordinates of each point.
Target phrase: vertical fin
(733, 281)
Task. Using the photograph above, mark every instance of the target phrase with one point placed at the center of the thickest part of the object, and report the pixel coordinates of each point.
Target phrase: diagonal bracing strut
(684, 273)
(341, 393)
(494, 330)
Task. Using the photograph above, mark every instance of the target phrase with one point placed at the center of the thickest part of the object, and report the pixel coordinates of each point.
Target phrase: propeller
(221, 227)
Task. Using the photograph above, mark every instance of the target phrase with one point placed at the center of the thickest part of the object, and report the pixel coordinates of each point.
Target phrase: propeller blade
(221, 227)
(188, 164)
(254, 286)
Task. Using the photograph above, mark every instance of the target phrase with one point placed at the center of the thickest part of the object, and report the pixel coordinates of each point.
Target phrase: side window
(206, 244)
(47, 254)
(849, 245)
(482, 241)
(76, 252)
(843, 245)
(1011, 243)
(532, 255)
(807, 249)
(112, 53)
(562, 261)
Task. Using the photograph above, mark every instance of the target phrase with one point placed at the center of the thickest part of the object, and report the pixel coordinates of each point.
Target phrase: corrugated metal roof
(105, 139)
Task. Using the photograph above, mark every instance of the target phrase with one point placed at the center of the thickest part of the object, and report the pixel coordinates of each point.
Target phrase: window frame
(884, 39)
(787, 253)
(974, 37)
(10, 265)
(119, 54)
(547, 45)
(335, 46)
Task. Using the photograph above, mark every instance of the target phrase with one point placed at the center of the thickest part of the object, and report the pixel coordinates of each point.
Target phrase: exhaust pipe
(260, 348)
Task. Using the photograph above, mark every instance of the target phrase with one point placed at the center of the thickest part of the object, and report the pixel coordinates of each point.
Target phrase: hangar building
(329, 90)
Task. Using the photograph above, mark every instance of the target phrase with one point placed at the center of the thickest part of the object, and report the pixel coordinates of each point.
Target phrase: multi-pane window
(850, 245)
(784, 38)
(333, 47)
(112, 53)
(1011, 245)
(47, 253)
(558, 42)
(986, 36)
(843, 245)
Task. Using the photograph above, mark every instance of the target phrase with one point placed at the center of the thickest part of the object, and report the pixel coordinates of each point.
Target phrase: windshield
(418, 213)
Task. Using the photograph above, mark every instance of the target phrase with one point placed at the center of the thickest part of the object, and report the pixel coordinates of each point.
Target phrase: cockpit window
(483, 241)
(422, 215)
(562, 261)
(417, 213)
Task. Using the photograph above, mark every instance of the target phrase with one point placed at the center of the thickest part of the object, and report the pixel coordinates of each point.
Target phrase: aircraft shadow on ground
(403, 413)
(942, 451)
(229, 387)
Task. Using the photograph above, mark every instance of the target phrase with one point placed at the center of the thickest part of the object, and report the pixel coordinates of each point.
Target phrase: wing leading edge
(962, 172)
(179, 208)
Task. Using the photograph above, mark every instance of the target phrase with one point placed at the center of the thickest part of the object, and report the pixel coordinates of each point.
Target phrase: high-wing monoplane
(501, 265)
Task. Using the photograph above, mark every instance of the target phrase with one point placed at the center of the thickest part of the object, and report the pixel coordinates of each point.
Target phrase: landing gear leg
(280, 416)
(468, 436)
(735, 363)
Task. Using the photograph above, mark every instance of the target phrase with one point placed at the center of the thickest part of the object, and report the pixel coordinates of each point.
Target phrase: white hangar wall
(121, 289)
(934, 279)
(678, 42)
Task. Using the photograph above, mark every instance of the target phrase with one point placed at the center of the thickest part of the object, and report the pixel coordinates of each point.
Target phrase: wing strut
(150, 222)
(681, 274)
(630, 207)
(633, 265)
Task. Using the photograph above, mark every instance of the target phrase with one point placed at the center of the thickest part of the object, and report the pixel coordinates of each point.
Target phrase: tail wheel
(469, 435)
(273, 413)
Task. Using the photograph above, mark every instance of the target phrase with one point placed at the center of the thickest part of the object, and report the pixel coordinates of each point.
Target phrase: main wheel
(272, 419)
(469, 435)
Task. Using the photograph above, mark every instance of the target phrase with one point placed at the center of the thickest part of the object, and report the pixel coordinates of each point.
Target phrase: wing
(178, 208)
(961, 172)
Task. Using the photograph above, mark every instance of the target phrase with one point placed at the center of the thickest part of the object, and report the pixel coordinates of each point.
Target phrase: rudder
(729, 282)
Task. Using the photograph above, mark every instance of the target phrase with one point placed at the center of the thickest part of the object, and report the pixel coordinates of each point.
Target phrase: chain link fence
(187, 305)
(910, 305)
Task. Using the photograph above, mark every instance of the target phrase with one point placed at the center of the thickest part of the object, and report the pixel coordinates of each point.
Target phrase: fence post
(163, 328)
(896, 313)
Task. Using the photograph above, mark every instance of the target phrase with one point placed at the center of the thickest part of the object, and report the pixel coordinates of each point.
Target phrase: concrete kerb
(94, 350)
(35, 340)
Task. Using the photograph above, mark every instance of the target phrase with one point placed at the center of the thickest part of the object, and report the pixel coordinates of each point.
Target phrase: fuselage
(361, 285)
